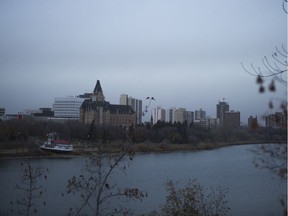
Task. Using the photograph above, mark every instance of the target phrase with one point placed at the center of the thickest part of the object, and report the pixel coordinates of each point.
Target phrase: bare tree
(32, 191)
(284, 5)
(94, 184)
(274, 158)
(274, 69)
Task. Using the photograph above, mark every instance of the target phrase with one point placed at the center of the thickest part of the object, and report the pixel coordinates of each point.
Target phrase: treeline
(25, 130)
(178, 133)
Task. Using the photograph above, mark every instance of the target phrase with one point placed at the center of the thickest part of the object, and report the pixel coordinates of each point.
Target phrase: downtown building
(180, 115)
(200, 118)
(205, 121)
(67, 107)
(200, 114)
(228, 119)
(135, 104)
(252, 123)
(158, 114)
(99, 111)
(276, 120)
(221, 108)
(231, 119)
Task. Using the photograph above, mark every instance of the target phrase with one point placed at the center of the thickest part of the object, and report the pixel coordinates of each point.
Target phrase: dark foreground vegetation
(24, 136)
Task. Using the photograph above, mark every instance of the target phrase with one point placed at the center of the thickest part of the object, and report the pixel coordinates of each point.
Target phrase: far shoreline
(140, 148)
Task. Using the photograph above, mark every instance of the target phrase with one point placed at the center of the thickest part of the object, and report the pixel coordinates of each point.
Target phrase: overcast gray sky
(185, 53)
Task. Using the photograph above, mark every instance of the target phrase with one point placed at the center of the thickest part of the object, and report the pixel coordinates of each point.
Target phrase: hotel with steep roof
(102, 112)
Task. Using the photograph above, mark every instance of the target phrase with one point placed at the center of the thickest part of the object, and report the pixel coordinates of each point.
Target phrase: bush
(194, 199)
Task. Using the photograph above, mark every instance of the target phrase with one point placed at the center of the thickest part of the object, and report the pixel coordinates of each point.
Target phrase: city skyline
(184, 53)
(147, 116)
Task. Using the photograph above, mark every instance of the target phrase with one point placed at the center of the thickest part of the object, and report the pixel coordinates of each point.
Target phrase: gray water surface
(251, 191)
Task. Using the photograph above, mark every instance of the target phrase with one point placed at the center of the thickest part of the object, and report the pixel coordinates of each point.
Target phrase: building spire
(98, 93)
(97, 87)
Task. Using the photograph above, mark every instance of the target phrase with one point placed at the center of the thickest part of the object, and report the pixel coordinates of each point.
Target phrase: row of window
(68, 109)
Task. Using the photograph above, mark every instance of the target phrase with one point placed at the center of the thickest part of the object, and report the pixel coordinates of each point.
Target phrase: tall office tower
(188, 117)
(158, 114)
(170, 115)
(200, 114)
(137, 108)
(179, 115)
(135, 104)
(221, 107)
(123, 99)
(231, 119)
(67, 107)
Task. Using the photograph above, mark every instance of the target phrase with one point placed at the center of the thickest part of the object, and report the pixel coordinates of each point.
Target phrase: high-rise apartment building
(252, 122)
(276, 120)
(136, 105)
(179, 115)
(158, 114)
(221, 108)
(170, 117)
(200, 114)
(123, 99)
(188, 117)
(67, 107)
(231, 119)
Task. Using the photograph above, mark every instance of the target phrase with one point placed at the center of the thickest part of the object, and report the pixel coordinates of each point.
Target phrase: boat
(55, 144)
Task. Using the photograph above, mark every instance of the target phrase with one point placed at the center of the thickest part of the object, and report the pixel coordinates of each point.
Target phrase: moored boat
(56, 145)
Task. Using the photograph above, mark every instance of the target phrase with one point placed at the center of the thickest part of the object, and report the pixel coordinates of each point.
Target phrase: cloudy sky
(185, 53)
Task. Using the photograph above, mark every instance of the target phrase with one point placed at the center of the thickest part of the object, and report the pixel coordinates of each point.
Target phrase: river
(251, 190)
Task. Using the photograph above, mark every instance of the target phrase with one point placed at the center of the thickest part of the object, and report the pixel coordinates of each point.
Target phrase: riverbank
(81, 149)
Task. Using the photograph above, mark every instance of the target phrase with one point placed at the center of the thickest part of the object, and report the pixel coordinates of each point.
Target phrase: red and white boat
(55, 144)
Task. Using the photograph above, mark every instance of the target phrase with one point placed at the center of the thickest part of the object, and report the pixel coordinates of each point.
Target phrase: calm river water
(251, 191)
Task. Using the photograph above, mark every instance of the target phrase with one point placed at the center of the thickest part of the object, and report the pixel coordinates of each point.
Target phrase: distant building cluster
(172, 115)
(87, 108)
(276, 120)
(224, 117)
(135, 104)
(92, 107)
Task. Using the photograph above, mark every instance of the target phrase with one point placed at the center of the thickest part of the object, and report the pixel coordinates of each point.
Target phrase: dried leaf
(259, 80)
(261, 89)
(272, 87)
